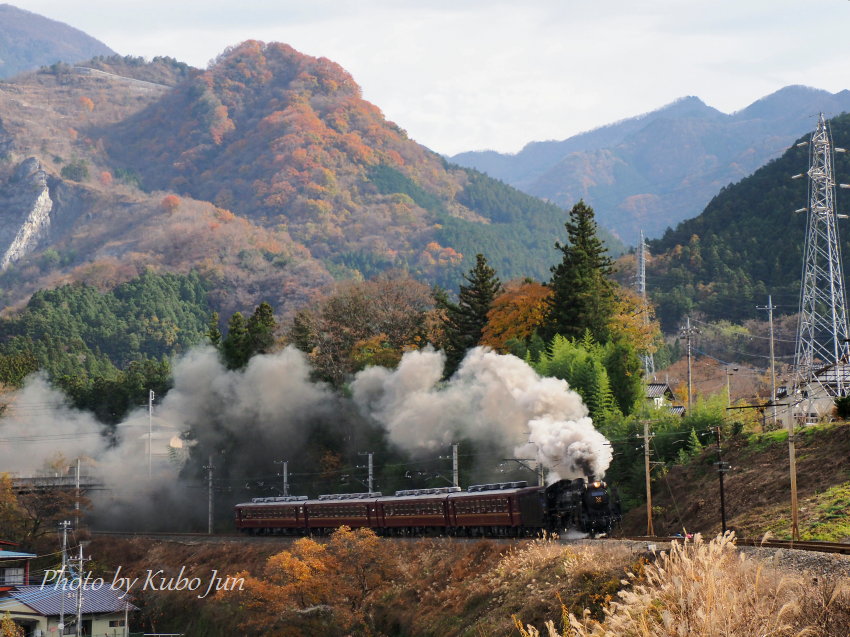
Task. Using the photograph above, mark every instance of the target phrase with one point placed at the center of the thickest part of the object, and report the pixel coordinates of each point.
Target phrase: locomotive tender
(506, 509)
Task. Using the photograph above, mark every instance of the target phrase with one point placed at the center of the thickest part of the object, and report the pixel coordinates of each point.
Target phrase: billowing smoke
(39, 431)
(247, 419)
(244, 419)
(493, 398)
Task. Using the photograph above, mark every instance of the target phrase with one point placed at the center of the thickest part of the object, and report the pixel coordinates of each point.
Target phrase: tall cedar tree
(246, 338)
(465, 320)
(582, 293)
(261, 328)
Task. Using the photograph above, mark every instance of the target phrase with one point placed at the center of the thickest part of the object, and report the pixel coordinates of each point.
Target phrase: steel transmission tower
(822, 336)
(648, 360)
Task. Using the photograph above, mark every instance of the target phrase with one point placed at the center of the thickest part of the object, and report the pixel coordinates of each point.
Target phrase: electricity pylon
(822, 336)
(648, 360)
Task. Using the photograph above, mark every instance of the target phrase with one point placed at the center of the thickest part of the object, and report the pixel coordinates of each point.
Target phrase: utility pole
(729, 372)
(77, 501)
(64, 525)
(770, 307)
(209, 469)
(150, 433)
(792, 458)
(81, 579)
(285, 474)
(650, 531)
(722, 468)
(369, 454)
(455, 472)
(688, 333)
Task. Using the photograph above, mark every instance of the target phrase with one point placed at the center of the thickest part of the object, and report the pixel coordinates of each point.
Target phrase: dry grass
(709, 588)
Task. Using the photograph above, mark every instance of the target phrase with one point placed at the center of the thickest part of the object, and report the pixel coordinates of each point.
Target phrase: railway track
(815, 546)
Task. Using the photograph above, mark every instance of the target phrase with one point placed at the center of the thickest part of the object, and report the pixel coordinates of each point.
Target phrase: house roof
(15, 555)
(678, 410)
(658, 390)
(47, 600)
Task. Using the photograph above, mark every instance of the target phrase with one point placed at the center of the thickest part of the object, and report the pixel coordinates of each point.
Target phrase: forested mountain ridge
(653, 171)
(747, 243)
(286, 140)
(285, 180)
(28, 41)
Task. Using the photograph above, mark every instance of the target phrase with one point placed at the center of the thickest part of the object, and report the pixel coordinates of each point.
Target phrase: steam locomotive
(505, 509)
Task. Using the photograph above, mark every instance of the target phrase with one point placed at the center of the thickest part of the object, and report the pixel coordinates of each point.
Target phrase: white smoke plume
(269, 407)
(492, 398)
(38, 429)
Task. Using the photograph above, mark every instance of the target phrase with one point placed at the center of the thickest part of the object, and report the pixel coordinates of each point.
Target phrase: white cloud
(473, 75)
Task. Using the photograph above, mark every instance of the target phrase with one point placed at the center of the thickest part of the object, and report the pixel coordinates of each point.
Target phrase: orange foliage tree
(86, 103)
(170, 203)
(516, 314)
(319, 588)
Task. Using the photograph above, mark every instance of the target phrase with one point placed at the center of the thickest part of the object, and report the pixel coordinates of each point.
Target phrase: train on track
(505, 509)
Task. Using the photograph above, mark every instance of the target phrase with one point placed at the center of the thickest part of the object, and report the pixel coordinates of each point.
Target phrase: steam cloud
(271, 408)
(492, 397)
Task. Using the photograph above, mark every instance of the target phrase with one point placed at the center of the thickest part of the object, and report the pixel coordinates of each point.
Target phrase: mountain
(286, 141)
(267, 174)
(28, 41)
(746, 244)
(653, 171)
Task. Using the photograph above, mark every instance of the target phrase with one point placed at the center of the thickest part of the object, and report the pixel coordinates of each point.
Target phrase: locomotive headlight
(597, 484)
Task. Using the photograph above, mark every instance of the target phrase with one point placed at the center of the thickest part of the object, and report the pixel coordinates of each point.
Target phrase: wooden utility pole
(792, 457)
(646, 437)
(722, 468)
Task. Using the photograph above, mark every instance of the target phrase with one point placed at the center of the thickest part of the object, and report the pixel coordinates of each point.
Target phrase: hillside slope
(757, 489)
(28, 41)
(653, 171)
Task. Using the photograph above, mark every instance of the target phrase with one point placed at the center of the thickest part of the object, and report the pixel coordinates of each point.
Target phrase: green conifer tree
(465, 320)
(213, 333)
(583, 295)
(261, 328)
(236, 346)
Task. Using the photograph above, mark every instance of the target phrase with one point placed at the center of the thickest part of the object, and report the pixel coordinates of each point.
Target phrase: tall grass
(709, 589)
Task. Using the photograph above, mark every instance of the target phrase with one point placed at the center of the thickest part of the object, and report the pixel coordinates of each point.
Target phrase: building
(815, 401)
(661, 396)
(14, 566)
(37, 610)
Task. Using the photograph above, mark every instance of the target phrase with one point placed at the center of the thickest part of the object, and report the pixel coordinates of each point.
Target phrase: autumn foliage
(170, 203)
(364, 323)
(319, 588)
(516, 314)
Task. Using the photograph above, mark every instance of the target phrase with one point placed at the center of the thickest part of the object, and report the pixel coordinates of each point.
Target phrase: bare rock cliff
(25, 206)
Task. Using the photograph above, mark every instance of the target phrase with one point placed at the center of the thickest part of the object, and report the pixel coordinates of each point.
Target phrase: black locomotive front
(587, 506)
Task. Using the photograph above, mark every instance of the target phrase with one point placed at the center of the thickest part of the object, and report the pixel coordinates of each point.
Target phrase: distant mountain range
(29, 41)
(653, 171)
(746, 244)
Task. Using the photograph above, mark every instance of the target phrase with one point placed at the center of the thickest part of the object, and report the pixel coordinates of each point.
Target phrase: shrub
(76, 170)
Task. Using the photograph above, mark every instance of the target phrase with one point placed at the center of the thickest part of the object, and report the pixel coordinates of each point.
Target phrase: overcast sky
(496, 74)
